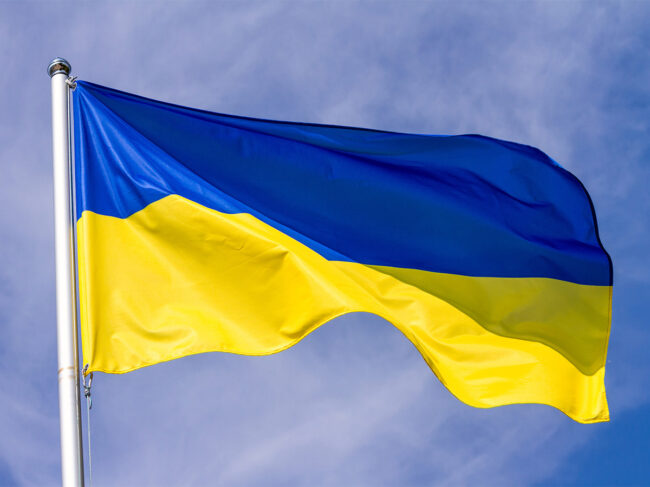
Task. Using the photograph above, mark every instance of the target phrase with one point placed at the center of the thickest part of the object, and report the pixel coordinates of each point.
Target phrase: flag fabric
(198, 231)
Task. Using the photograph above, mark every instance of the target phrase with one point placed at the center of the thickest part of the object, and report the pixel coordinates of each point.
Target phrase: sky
(354, 403)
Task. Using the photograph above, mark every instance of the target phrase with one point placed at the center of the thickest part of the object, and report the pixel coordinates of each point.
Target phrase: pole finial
(58, 65)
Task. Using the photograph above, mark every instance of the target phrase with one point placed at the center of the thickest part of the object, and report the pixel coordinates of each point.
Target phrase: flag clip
(87, 386)
(71, 81)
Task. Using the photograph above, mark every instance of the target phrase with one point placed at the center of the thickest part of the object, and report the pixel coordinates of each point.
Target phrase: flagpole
(68, 371)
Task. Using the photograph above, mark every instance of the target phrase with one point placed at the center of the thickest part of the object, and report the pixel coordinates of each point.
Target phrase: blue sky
(353, 404)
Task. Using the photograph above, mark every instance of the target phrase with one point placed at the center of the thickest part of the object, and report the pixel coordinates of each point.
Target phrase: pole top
(58, 65)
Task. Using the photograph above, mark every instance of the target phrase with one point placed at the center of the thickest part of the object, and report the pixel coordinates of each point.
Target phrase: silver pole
(69, 407)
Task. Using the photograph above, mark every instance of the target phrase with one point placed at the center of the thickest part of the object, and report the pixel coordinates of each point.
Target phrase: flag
(198, 231)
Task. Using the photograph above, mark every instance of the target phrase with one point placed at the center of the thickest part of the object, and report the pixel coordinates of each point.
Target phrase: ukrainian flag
(201, 232)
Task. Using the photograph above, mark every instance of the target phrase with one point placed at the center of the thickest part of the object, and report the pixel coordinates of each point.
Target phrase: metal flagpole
(68, 372)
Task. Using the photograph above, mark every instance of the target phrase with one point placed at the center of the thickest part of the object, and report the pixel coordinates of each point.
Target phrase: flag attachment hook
(87, 385)
(71, 81)
(89, 403)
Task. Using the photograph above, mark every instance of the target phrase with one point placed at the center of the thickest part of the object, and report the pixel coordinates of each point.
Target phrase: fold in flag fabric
(198, 232)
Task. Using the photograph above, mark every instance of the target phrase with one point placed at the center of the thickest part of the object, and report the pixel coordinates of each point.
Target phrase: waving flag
(202, 232)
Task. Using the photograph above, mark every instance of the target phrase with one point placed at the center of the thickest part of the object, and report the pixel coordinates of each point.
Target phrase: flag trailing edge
(201, 232)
